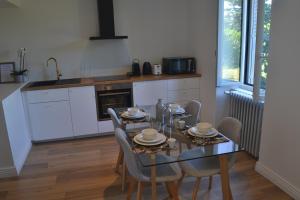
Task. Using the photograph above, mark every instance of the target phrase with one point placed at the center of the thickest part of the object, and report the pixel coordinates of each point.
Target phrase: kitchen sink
(55, 82)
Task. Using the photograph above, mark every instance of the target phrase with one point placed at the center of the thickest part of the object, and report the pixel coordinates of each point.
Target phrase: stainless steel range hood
(106, 21)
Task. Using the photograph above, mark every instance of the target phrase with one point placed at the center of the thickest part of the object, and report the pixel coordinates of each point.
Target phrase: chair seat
(201, 167)
(164, 172)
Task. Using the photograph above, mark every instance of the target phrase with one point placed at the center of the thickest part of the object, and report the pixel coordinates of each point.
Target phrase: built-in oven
(112, 96)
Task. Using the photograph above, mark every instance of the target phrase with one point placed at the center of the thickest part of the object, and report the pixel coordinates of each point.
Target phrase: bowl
(174, 107)
(133, 111)
(204, 127)
(149, 134)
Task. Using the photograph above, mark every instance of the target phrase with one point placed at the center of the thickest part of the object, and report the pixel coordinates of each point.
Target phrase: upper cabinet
(10, 3)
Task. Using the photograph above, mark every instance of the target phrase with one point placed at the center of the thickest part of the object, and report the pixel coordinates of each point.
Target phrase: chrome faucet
(58, 73)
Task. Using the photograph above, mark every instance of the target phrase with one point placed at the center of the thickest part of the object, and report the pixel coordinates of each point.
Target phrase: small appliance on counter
(179, 65)
(156, 69)
(147, 68)
(136, 71)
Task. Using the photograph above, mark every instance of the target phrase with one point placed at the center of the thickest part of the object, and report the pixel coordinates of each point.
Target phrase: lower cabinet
(50, 120)
(62, 113)
(148, 92)
(71, 112)
(83, 110)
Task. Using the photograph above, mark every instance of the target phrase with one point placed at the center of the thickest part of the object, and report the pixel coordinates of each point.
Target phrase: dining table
(195, 147)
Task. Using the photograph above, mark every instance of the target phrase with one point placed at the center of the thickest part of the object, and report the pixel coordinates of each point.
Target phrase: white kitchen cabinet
(148, 92)
(106, 127)
(39, 96)
(183, 84)
(83, 110)
(183, 90)
(50, 120)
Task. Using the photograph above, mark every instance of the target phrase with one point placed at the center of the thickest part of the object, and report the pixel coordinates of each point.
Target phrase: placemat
(220, 138)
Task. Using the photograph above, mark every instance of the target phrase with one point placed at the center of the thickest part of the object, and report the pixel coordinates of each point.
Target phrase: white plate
(194, 132)
(180, 111)
(140, 138)
(159, 140)
(138, 115)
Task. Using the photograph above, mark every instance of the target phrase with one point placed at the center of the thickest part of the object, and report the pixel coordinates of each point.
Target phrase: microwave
(179, 65)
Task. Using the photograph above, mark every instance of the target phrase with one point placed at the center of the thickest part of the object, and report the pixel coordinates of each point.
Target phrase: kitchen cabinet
(50, 120)
(83, 110)
(106, 127)
(40, 96)
(183, 90)
(148, 92)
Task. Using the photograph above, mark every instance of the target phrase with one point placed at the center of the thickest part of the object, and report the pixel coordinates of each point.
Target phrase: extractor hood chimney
(106, 21)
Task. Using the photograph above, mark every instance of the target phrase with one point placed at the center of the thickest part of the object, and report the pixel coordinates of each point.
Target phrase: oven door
(112, 99)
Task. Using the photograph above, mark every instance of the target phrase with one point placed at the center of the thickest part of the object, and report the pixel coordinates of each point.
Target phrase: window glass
(232, 40)
(266, 43)
(252, 40)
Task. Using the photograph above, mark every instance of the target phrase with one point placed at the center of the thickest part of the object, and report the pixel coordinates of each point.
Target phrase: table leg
(227, 195)
(153, 178)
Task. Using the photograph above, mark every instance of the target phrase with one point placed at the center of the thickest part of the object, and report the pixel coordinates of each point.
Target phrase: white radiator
(250, 113)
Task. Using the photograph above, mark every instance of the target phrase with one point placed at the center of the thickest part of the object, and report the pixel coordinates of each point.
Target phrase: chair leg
(180, 147)
(196, 188)
(140, 190)
(168, 189)
(181, 179)
(119, 160)
(123, 176)
(131, 187)
(174, 190)
(210, 182)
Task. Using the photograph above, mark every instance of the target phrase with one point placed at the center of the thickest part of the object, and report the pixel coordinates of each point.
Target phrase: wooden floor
(83, 170)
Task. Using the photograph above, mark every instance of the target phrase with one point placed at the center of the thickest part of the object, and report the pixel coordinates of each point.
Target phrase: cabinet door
(148, 92)
(83, 110)
(50, 120)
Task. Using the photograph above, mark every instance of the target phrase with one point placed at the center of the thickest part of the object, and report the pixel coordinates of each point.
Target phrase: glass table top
(186, 148)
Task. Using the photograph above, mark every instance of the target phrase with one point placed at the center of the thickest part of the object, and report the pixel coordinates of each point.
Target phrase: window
(237, 41)
(231, 40)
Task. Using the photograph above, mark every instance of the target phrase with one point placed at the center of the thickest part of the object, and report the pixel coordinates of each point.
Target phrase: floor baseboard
(8, 172)
(278, 180)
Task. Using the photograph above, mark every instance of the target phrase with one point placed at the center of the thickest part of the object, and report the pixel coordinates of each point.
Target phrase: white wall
(203, 40)
(61, 28)
(279, 150)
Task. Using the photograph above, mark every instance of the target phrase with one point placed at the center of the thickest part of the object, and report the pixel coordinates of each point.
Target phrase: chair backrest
(129, 156)
(231, 128)
(116, 121)
(194, 108)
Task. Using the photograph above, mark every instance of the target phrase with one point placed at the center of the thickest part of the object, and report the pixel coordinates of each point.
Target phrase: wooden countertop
(9, 88)
(97, 81)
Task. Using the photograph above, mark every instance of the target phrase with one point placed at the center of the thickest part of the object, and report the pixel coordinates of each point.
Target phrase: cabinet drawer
(183, 96)
(175, 96)
(41, 96)
(176, 84)
(193, 83)
(193, 94)
(183, 84)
